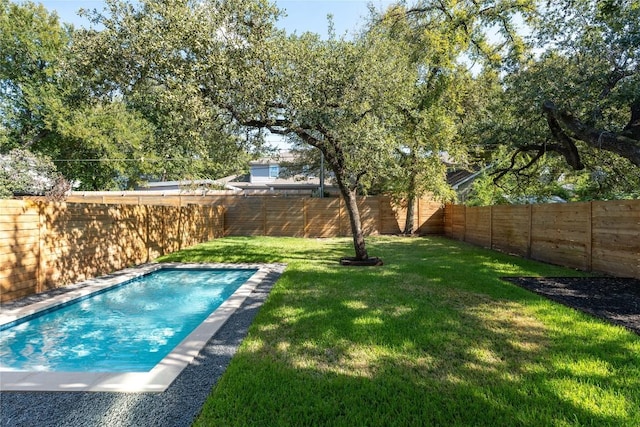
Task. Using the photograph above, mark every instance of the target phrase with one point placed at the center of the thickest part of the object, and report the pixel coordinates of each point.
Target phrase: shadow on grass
(260, 250)
(431, 338)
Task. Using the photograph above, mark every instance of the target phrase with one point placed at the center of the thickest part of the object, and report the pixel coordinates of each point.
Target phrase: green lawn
(433, 337)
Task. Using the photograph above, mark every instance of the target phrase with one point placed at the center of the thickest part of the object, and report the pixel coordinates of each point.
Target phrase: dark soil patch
(614, 299)
(369, 262)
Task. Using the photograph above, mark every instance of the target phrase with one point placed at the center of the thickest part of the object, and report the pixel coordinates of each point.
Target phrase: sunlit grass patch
(433, 337)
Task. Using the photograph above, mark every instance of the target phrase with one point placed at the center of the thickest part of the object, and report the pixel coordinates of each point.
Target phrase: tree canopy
(179, 89)
(595, 99)
(575, 103)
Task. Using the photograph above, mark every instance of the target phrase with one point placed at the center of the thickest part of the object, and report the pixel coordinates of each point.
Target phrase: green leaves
(31, 42)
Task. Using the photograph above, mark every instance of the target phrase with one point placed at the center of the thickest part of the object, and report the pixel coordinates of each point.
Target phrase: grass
(433, 337)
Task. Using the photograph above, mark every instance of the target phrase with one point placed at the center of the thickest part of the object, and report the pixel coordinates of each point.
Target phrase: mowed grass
(433, 337)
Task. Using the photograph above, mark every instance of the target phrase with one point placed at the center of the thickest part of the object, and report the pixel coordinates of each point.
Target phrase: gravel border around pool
(177, 406)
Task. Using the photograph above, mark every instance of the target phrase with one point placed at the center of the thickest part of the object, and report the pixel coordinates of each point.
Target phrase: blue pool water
(129, 328)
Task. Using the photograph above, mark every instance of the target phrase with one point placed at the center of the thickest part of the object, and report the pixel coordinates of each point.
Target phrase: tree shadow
(407, 344)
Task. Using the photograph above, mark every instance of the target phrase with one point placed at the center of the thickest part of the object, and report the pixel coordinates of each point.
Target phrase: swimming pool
(132, 332)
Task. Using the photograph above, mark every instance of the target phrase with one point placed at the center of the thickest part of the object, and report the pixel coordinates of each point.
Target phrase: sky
(302, 15)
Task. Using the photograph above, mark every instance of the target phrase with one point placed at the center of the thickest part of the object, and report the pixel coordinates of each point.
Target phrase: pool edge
(168, 369)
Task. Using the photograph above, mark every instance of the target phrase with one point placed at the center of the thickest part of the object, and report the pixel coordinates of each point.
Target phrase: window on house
(274, 171)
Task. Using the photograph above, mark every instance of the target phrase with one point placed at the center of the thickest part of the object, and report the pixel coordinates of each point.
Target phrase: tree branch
(565, 128)
(567, 147)
(540, 150)
(633, 127)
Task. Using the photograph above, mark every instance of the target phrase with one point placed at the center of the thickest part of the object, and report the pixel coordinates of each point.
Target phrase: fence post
(340, 216)
(380, 225)
(464, 229)
(146, 237)
(222, 213)
(42, 225)
(163, 230)
(305, 218)
(263, 207)
(589, 236)
(529, 237)
(491, 221)
(418, 218)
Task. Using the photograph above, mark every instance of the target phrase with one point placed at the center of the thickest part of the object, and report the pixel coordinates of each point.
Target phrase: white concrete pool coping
(165, 372)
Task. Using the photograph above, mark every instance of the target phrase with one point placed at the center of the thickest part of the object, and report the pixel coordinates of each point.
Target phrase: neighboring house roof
(461, 180)
(244, 183)
(183, 184)
(458, 177)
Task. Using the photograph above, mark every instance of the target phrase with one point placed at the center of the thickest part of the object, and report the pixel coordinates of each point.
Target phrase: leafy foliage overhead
(586, 82)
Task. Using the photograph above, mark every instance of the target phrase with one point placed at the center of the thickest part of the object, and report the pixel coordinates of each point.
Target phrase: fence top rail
(154, 193)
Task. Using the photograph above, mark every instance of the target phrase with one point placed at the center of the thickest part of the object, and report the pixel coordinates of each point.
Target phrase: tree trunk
(354, 219)
(411, 217)
(411, 211)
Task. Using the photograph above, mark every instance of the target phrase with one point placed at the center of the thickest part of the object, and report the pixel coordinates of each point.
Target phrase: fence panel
(430, 217)
(561, 234)
(245, 216)
(616, 237)
(454, 222)
(392, 217)
(478, 225)
(323, 217)
(510, 229)
(369, 208)
(84, 241)
(284, 217)
(598, 236)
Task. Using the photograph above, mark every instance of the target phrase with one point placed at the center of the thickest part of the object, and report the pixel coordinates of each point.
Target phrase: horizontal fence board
(630, 233)
(18, 273)
(16, 294)
(18, 285)
(8, 214)
(19, 241)
(20, 225)
(616, 263)
(20, 257)
(567, 255)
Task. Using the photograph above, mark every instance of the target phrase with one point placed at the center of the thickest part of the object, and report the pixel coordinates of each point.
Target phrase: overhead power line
(130, 160)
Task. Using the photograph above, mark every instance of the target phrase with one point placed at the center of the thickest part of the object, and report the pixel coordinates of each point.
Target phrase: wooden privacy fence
(293, 216)
(47, 245)
(592, 236)
(327, 217)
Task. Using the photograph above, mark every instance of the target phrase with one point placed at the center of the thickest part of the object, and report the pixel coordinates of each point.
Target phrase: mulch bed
(614, 299)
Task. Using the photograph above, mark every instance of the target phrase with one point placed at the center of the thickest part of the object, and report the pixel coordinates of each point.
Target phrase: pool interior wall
(166, 371)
